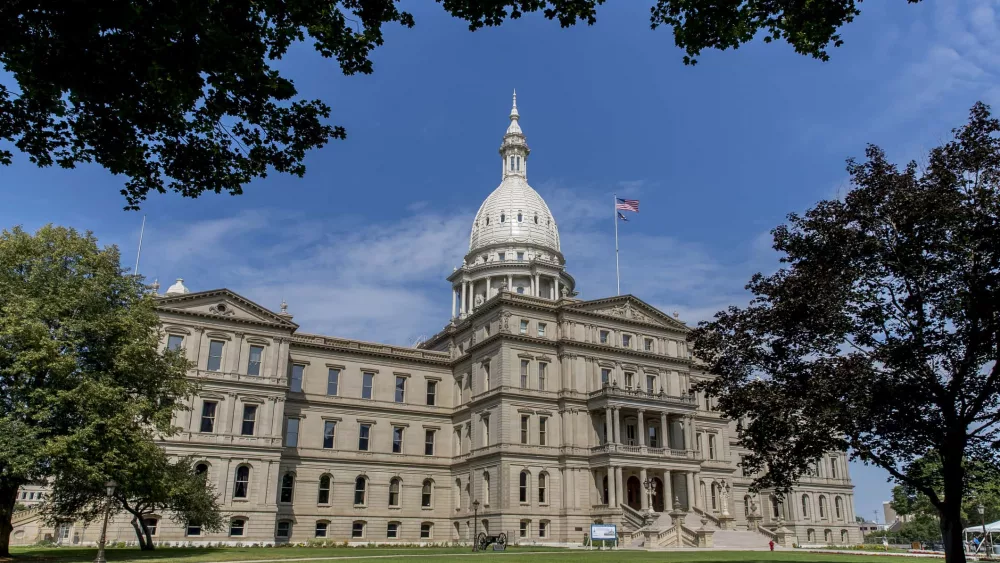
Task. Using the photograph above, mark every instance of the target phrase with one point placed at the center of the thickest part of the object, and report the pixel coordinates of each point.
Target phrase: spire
(514, 149)
(514, 128)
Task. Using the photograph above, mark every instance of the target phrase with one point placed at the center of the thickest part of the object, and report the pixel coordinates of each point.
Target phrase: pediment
(223, 304)
(630, 308)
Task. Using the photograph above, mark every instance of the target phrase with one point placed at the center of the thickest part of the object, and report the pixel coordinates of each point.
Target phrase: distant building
(868, 527)
(891, 518)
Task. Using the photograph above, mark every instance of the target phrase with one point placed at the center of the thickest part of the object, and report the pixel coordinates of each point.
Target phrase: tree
(80, 361)
(983, 488)
(182, 96)
(880, 333)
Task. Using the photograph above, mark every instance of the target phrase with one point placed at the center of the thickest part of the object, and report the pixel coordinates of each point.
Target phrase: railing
(642, 450)
(234, 376)
(612, 391)
(633, 516)
(213, 438)
(26, 514)
(705, 514)
(767, 533)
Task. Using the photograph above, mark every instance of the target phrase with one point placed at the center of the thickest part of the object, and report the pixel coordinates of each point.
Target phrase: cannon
(499, 542)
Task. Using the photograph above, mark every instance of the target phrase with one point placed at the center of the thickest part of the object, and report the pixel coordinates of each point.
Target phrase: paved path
(390, 556)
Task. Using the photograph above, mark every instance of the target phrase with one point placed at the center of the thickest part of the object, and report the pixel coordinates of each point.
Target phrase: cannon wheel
(502, 540)
(481, 541)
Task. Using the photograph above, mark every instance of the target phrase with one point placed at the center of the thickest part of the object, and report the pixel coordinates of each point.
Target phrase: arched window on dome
(518, 164)
(536, 218)
(502, 217)
(487, 221)
(512, 163)
(519, 217)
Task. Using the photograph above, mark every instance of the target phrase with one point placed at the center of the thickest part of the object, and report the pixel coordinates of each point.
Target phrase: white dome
(514, 213)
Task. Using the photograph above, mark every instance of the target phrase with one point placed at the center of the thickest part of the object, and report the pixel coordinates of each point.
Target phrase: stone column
(454, 299)
(642, 428)
(644, 503)
(619, 486)
(538, 285)
(689, 487)
(618, 425)
(668, 491)
(510, 282)
(609, 426)
(555, 282)
(611, 500)
(463, 311)
(664, 431)
(699, 501)
(488, 287)
(689, 433)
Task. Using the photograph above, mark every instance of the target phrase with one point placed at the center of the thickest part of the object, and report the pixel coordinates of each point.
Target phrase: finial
(155, 286)
(513, 109)
(676, 314)
(284, 307)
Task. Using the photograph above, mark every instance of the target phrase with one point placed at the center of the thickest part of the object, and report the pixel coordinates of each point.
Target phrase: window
(542, 482)
(524, 429)
(215, 348)
(653, 440)
(837, 507)
(629, 380)
(394, 491)
(541, 329)
(201, 469)
(524, 374)
(284, 529)
(541, 430)
(366, 385)
(543, 529)
(324, 490)
(332, 382)
(502, 217)
(287, 487)
(241, 485)
(364, 433)
(358, 530)
(626, 341)
(400, 389)
(360, 491)
(711, 446)
(321, 529)
(524, 327)
(249, 420)
(296, 382)
(520, 257)
(536, 218)
(648, 345)
(193, 529)
(425, 493)
(502, 256)
(833, 468)
(604, 336)
(253, 364)
(397, 439)
(541, 375)
(486, 488)
(432, 393)
(805, 506)
(520, 217)
(392, 530)
(425, 530)
(208, 409)
(520, 289)
(428, 442)
(175, 342)
(329, 432)
(151, 525)
(292, 433)
(822, 507)
(523, 487)
(236, 527)
(605, 377)
(650, 384)
(523, 529)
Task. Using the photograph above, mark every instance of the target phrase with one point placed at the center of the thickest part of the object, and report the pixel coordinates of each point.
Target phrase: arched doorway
(658, 495)
(634, 489)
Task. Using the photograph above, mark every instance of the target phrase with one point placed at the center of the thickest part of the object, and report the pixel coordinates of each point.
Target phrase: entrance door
(634, 489)
(658, 495)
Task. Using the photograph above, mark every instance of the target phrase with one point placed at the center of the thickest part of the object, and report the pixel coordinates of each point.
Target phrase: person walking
(771, 544)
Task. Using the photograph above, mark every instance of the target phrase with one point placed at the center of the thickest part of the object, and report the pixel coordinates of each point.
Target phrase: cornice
(371, 349)
(238, 320)
(163, 301)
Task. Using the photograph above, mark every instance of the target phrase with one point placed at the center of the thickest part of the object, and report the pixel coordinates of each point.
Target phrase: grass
(446, 554)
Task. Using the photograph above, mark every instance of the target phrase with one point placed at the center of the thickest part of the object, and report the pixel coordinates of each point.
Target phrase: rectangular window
(329, 432)
(648, 346)
(541, 430)
(628, 380)
(208, 409)
(332, 382)
(392, 532)
(298, 370)
(364, 432)
(541, 375)
(520, 257)
(215, 348)
(236, 527)
(543, 529)
(524, 374)
(541, 329)
(524, 327)
(626, 341)
(502, 256)
(358, 530)
(397, 439)
(321, 528)
(650, 383)
(249, 419)
(604, 337)
(524, 428)
(366, 385)
(425, 531)
(432, 393)
(523, 530)
(292, 433)
(284, 529)
(400, 389)
(175, 342)
(151, 525)
(652, 441)
(605, 377)
(429, 442)
(253, 363)
(193, 529)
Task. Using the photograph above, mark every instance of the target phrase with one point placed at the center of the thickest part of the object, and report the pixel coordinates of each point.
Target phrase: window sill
(241, 499)
(323, 504)
(396, 508)
(429, 508)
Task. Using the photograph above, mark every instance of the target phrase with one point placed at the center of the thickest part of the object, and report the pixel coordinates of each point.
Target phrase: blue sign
(603, 532)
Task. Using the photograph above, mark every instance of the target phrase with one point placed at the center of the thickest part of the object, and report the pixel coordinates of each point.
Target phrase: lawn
(449, 555)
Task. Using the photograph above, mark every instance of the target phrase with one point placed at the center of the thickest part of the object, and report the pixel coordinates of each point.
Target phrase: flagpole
(138, 253)
(618, 278)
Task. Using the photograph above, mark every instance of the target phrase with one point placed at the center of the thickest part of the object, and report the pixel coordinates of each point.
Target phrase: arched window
(394, 491)
(486, 487)
(543, 481)
(811, 536)
(833, 468)
(838, 507)
(287, 487)
(502, 217)
(536, 218)
(360, 491)
(844, 537)
(523, 488)
(775, 507)
(822, 506)
(487, 221)
(519, 164)
(711, 446)
(201, 470)
(425, 493)
(805, 506)
(241, 485)
(324, 490)
(828, 536)
(512, 162)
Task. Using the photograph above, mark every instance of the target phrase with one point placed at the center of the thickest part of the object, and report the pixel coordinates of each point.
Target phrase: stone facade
(550, 411)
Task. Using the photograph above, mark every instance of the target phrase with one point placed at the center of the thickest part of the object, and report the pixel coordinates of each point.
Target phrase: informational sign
(499, 546)
(603, 532)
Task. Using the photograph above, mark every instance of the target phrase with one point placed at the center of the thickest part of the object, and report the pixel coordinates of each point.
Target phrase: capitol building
(532, 413)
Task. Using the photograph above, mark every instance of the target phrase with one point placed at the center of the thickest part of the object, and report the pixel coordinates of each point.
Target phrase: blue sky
(717, 153)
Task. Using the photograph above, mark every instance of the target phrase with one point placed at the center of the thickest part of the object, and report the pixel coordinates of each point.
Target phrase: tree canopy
(880, 333)
(81, 370)
(184, 96)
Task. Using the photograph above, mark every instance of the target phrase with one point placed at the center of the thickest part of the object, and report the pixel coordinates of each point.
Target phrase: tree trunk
(138, 533)
(141, 531)
(951, 507)
(8, 498)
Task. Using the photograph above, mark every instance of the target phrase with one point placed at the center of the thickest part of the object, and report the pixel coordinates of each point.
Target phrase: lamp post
(650, 485)
(982, 517)
(475, 525)
(109, 488)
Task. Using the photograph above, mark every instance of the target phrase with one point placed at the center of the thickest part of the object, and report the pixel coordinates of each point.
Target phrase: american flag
(627, 204)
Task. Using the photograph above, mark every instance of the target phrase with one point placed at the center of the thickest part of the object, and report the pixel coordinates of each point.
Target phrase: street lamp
(475, 525)
(650, 486)
(109, 488)
(982, 517)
